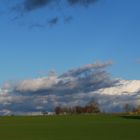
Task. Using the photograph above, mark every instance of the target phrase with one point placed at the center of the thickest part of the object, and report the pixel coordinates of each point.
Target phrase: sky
(106, 31)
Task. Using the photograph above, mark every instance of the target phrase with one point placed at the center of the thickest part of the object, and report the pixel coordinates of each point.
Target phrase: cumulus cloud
(86, 78)
(36, 84)
(78, 86)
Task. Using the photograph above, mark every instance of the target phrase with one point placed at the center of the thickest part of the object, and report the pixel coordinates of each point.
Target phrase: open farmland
(80, 127)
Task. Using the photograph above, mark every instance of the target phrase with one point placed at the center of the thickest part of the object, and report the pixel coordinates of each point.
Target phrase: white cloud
(36, 84)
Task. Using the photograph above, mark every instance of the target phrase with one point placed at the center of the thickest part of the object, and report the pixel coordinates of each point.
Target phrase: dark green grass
(80, 127)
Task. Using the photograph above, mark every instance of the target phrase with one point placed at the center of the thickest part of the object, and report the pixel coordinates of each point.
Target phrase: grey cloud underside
(75, 87)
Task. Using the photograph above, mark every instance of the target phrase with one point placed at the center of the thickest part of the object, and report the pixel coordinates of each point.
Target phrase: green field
(80, 127)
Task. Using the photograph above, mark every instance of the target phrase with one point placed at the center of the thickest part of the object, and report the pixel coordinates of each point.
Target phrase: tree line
(90, 108)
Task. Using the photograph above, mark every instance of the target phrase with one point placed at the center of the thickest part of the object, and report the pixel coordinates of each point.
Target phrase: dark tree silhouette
(90, 108)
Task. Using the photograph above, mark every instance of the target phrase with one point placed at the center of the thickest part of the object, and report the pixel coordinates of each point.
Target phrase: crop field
(75, 127)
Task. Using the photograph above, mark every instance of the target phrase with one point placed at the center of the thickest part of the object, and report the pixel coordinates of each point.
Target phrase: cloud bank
(75, 87)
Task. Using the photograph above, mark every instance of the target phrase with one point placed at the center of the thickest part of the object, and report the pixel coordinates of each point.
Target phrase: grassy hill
(80, 127)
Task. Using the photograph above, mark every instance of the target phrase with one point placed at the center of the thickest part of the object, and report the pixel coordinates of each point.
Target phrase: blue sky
(109, 30)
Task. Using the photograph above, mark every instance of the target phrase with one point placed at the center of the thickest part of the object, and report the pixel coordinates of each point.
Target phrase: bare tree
(90, 108)
(127, 108)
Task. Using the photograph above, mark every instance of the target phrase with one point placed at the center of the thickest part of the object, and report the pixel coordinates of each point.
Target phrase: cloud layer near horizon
(74, 87)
